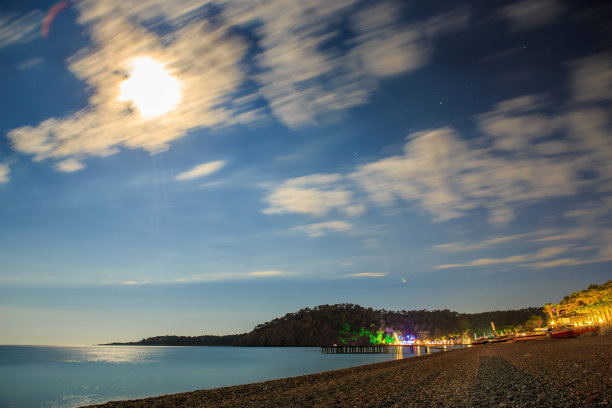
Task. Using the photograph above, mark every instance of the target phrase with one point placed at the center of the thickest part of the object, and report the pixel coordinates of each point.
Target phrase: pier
(379, 349)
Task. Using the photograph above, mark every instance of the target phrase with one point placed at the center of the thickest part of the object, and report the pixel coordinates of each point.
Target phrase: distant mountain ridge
(346, 323)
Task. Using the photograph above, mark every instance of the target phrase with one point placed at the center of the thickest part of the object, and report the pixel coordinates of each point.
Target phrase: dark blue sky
(200, 167)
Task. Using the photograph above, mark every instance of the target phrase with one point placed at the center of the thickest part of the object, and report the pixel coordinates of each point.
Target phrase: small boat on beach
(520, 337)
(500, 339)
(571, 332)
(480, 341)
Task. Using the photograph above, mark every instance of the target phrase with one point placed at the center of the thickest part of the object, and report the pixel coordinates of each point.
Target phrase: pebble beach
(545, 373)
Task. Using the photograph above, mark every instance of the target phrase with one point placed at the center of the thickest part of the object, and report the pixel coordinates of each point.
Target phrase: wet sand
(546, 373)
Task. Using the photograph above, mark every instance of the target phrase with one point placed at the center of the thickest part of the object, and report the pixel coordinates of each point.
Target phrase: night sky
(200, 167)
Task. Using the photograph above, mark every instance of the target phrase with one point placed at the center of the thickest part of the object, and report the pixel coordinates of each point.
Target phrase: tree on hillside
(533, 322)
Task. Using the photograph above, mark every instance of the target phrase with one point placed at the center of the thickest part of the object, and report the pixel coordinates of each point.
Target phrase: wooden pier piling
(379, 349)
(373, 349)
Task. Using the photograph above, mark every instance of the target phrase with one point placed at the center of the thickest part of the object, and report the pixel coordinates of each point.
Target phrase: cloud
(603, 253)
(69, 165)
(302, 78)
(590, 243)
(557, 262)
(4, 173)
(30, 63)
(448, 22)
(204, 59)
(462, 246)
(267, 273)
(322, 228)
(384, 47)
(305, 80)
(211, 184)
(448, 177)
(371, 243)
(315, 195)
(537, 236)
(213, 277)
(590, 212)
(572, 234)
(421, 174)
(485, 262)
(541, 254)
(592, 78)
(525, 154)
(366, 275)
(201, 170)
(527, 14)
(514, 124)
(19, 29)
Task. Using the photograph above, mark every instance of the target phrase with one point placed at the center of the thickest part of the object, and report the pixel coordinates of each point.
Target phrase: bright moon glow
(152, 89)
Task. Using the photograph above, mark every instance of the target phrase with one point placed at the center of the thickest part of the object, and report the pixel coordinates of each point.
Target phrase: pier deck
(378, 349)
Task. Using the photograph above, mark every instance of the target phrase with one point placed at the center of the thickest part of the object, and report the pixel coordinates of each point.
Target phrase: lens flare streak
(48, 19)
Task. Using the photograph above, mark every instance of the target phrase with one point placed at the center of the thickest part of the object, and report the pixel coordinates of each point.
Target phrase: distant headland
(342, 324)
(351, 324)
(170, 340)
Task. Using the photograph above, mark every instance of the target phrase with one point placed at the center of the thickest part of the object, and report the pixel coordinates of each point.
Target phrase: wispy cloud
(30, 63)
(4, 173)
(485, 262)
(541, 254)
(573, 234)
(201, 170)
(371, 243)
(131, 282)
(320, 229)
(589, 212)
(557, 262)
(16, 29)
(213, 277)
(527, 14)
(266, 273)
(463, 246)
(586, 244)
(603, 256)
(537, 236)
(211, 184)
(366, 275)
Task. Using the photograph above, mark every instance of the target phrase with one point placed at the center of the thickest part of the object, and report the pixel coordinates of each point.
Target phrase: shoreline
(561, 373)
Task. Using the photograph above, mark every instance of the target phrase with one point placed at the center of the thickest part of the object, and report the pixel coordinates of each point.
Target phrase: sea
(73, 376)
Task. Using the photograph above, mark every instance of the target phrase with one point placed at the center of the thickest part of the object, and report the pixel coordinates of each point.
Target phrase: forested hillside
(353, 324)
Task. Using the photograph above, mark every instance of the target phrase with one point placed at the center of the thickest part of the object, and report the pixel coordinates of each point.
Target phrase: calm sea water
(32, 376)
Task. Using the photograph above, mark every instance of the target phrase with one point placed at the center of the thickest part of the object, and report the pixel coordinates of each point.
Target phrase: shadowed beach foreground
(546, 373)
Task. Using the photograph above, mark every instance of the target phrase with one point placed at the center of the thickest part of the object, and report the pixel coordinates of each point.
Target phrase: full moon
(151, 87)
